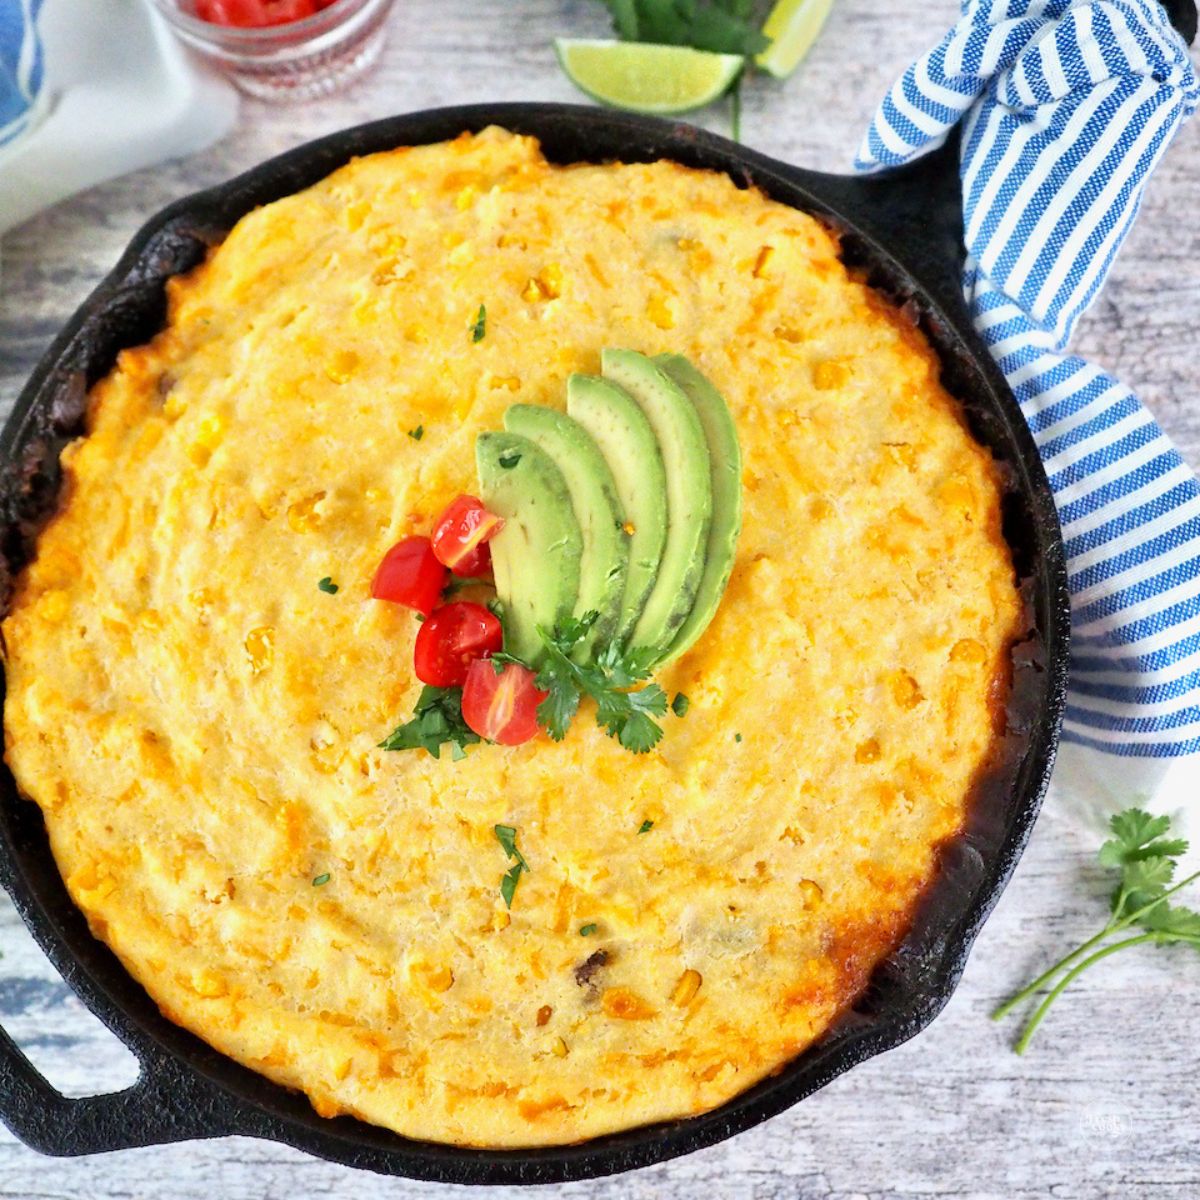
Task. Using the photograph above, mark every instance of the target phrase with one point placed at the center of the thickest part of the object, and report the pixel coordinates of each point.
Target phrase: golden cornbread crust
(198, 722)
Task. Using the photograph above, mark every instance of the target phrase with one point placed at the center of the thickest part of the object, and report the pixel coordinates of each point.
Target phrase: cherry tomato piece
(461, 535)
(451, 639)
(411, 575)
(501, 708)
(256, 14)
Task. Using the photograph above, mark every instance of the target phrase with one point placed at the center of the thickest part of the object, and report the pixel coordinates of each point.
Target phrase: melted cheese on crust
(199, 722)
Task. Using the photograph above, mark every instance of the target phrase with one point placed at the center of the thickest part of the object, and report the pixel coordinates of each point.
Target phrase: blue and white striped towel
(1065, 107)
(20, 66)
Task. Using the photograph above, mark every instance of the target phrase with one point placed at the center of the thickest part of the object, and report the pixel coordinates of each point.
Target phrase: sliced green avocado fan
(628, 506)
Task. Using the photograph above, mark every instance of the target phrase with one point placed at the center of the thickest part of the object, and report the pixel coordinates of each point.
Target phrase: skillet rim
(874, 215)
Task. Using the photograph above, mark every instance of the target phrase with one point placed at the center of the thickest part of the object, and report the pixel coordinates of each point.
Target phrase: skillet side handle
(918, 208)
(168, 1103)
(1183, 17)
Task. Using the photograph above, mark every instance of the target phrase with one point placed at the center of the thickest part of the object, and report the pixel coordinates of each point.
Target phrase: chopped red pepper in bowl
(257, 14)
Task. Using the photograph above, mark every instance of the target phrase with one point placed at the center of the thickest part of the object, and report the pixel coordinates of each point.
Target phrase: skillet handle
(168, 1103)
(916, 208)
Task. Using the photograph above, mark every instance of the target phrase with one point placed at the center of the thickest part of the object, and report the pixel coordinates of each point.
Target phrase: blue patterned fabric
(1065, 107)
(20, 65)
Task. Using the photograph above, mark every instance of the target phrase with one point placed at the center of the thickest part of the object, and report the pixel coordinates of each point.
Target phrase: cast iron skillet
(903, 230)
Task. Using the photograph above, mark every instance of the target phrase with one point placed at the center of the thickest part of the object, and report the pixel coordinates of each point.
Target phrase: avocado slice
(536, 555)
(605, 560)
(620, 429)
(684, 451)
(725, 456)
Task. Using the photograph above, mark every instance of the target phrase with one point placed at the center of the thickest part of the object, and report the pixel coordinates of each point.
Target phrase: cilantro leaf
(628, 716)
(558, 710)
(570, 631)
(437, 719)
(1173, 920)
(1147, 876)
(508, 884)
(639, 733)
(1138, 835)
(1135, 827)
(725, 26)
(624, 668)
(479, 325)
(1143, 881)
(558, 679)
(506, 835)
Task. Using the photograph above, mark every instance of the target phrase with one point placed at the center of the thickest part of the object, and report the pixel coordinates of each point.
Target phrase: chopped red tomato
(451, 639)
(410, 574)
(460, 537)
(253, 14)
(501, 708)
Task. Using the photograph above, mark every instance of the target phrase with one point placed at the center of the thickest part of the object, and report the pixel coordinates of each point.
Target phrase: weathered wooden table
(1108, 1102)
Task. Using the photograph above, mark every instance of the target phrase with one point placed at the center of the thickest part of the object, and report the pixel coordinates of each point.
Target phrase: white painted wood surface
(1108, 1102)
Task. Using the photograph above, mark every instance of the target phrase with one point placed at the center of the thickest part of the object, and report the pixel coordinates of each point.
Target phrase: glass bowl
(301, 60)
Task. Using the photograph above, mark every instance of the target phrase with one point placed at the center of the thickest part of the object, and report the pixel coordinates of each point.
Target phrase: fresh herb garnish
(479, 325)
(327, 585)
(725, 26)
(437, 719)
(680, 705)
(506, 835)
(417, 434)
(737, 737)
(1147, 861)
(587, 930)
(646, 826)
(321, 880)
(624, 713)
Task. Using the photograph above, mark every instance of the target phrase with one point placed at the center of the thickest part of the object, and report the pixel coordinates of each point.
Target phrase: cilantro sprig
(1146, 857)
(623, 711)
(437, 720)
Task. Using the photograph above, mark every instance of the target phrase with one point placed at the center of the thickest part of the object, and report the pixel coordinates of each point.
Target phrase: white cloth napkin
(119, 93)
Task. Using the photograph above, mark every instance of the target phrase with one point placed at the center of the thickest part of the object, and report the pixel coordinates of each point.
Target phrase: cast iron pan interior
(904, 229)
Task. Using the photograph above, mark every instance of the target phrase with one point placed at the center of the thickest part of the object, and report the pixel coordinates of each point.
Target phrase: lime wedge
(792, 27)
(646, 77)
